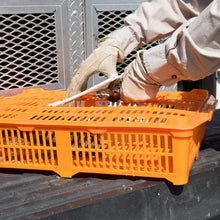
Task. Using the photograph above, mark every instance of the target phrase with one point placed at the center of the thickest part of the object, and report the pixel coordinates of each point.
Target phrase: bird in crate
(112, 92)
(28, 146)
(85, 143)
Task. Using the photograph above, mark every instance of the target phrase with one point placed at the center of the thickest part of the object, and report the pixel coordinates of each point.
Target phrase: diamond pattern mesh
(109, 21)
(28, 54)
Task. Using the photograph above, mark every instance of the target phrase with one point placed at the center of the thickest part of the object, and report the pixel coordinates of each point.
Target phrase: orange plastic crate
(160, 138)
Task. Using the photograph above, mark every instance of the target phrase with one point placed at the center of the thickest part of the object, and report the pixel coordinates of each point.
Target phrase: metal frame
(59, 8)
(92, 8)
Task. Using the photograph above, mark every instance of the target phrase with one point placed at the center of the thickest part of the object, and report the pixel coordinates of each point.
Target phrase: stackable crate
(160, 138)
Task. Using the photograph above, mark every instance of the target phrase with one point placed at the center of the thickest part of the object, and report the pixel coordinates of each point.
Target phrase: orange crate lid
(169, 110)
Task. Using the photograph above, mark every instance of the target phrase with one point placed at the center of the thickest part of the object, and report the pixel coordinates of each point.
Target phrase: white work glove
(137, 85)
(103, 59)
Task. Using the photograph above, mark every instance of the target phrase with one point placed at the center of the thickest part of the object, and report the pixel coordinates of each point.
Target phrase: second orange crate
(159, 139)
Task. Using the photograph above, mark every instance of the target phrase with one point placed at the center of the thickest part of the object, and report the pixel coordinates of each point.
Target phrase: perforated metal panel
(43, 42)
(109, 21)
(32, 45)
(28, 50)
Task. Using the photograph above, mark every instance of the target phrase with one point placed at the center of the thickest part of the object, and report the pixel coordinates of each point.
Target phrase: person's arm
(191, 53)
(154, 20)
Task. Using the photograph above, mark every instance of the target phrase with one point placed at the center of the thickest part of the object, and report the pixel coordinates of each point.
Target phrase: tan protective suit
(191, 52)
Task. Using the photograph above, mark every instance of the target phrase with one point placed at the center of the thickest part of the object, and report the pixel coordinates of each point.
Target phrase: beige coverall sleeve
(156, 19)
(193, 49)
(192, 52)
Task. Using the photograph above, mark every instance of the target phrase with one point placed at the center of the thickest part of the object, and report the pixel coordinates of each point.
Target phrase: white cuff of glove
(137, 84)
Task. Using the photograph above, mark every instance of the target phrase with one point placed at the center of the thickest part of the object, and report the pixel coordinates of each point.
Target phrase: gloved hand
(136, 85)
(103, 59)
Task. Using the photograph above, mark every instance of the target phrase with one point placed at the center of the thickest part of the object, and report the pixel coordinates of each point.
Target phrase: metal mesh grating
(109, 21)
(28, 54)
